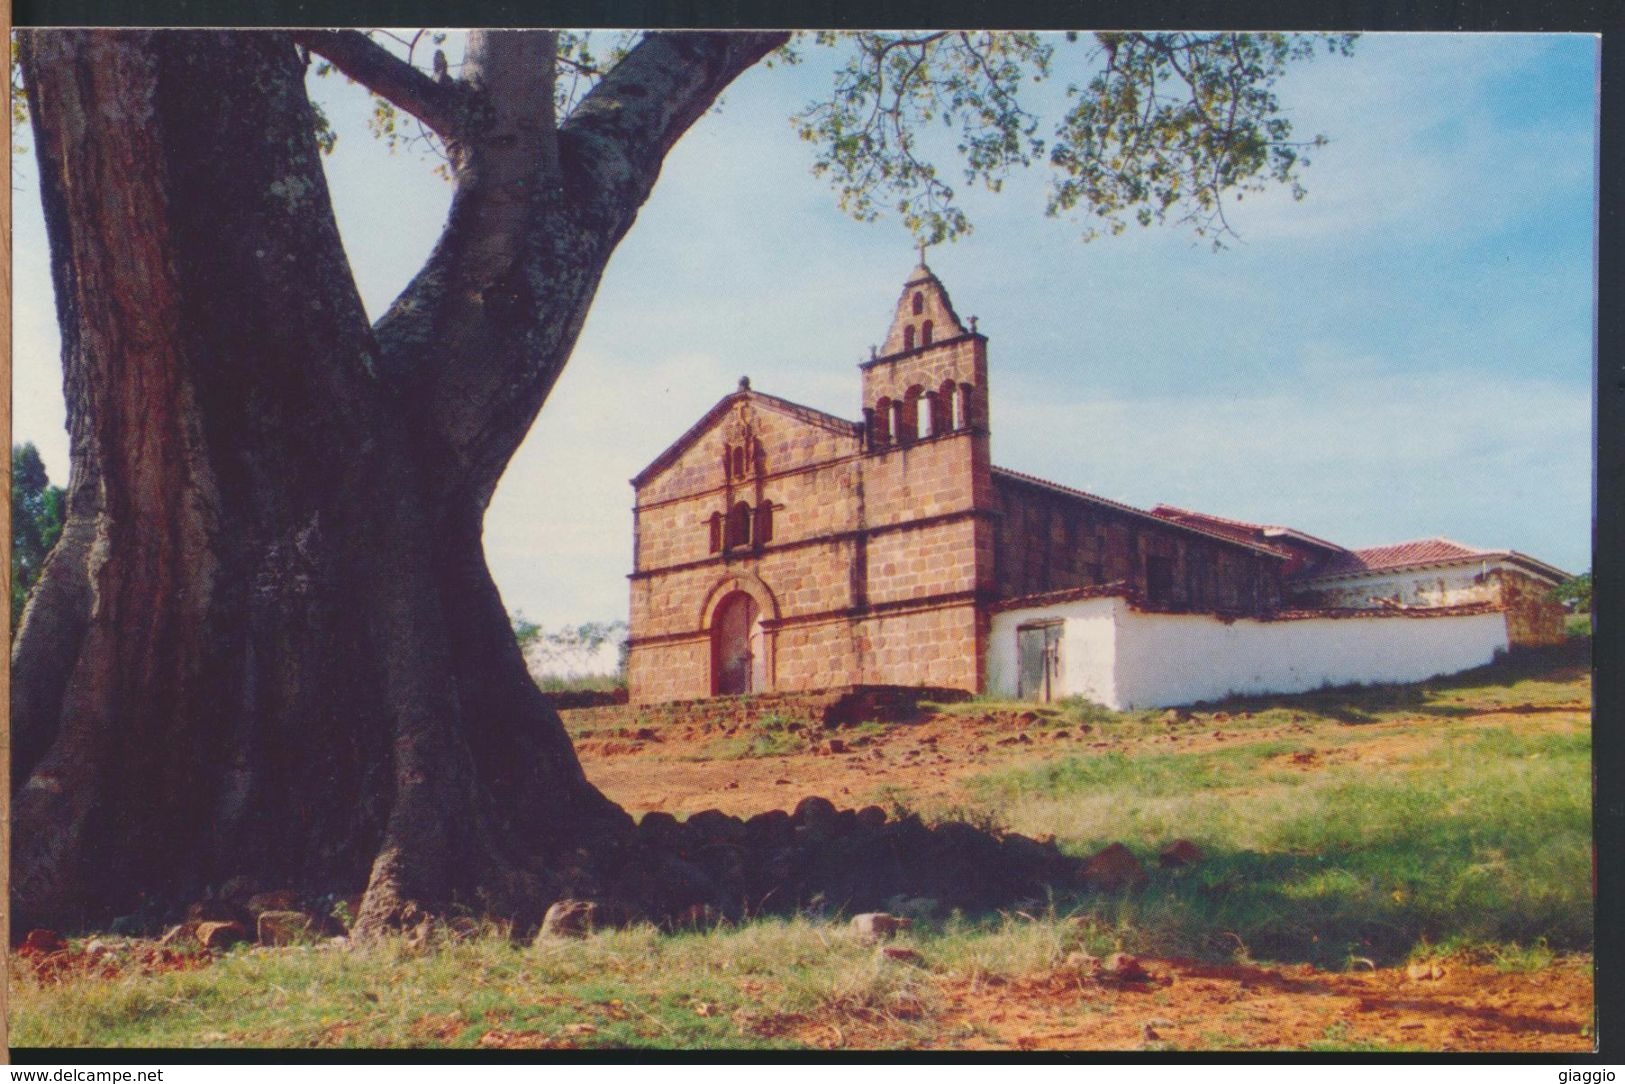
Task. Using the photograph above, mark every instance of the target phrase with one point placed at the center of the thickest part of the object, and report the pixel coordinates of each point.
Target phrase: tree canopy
(1143, 127)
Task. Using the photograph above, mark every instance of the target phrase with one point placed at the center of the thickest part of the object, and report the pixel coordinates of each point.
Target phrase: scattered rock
(836, 745)
(1181, 852)
(286, 928)
(900, 955)
(1114, 869)
(1425, 971)
(219, 936)
(873, 926)
(568, 918)
(1121, 967)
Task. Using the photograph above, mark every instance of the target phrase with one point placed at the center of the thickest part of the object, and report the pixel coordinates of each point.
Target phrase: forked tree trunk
(271, 647)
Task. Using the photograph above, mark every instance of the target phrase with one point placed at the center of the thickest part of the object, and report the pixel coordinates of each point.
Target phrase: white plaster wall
(1419, 587)
(1124, 659)
(1165, 659)
(1088, 648)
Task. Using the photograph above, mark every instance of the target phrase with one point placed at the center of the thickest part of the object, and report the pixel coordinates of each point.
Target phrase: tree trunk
(273, 649)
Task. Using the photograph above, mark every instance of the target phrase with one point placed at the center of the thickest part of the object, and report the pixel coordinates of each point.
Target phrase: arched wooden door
(738, 661)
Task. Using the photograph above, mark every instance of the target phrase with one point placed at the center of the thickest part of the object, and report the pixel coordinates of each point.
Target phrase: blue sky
(1406, 352)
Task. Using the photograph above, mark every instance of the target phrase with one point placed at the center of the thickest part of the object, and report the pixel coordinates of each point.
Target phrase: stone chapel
(779, 548)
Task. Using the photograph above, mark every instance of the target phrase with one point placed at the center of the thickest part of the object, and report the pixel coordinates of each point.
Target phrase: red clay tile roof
(1259, 533)
(1423, 552)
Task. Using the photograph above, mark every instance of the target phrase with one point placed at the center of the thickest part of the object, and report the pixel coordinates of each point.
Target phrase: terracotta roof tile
(1423, 551)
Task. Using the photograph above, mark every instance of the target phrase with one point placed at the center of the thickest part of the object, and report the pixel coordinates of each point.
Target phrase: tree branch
(623, 128)
(441, 106)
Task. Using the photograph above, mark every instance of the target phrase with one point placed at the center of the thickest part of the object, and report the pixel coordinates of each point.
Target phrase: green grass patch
(1482, 838)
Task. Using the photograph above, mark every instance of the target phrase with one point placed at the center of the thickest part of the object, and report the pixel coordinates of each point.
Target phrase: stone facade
(779, 548)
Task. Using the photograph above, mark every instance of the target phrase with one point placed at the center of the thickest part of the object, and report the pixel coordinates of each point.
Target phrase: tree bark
(269, 646)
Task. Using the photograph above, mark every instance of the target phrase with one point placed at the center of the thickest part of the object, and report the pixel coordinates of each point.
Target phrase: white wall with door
(1123, 658)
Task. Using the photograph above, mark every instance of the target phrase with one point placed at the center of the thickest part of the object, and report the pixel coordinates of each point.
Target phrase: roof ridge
(1120, 506)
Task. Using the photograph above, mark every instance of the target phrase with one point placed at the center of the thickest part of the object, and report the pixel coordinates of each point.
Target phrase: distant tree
(525, 631)
(570, 649)
(1575, 592)
(36, 523)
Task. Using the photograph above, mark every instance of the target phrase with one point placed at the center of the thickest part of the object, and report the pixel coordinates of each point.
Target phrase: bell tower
(929, 380)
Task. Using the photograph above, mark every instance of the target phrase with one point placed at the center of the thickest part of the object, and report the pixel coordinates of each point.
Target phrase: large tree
(267, 643)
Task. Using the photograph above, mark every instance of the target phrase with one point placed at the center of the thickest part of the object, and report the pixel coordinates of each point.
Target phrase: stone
(219, 936)
(1181, 852)
(1114, 869)
(814, 812)
(871, 816)
(1425, 971)
(872, 926)
(715, 824)
(658, 825)
(836, 746)
(568, 918)
(279, 928)
(1121, 967)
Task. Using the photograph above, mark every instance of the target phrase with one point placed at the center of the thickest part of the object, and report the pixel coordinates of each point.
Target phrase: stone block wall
(1048, 539)
(1534, 618)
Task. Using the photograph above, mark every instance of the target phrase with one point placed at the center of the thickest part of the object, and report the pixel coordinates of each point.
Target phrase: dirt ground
(1449, 1006)
(926, 761)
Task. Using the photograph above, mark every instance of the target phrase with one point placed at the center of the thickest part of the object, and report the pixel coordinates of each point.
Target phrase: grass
(581, 683)
(758, 986)
(1483, 838)
(768, 736)
(1457, 835)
